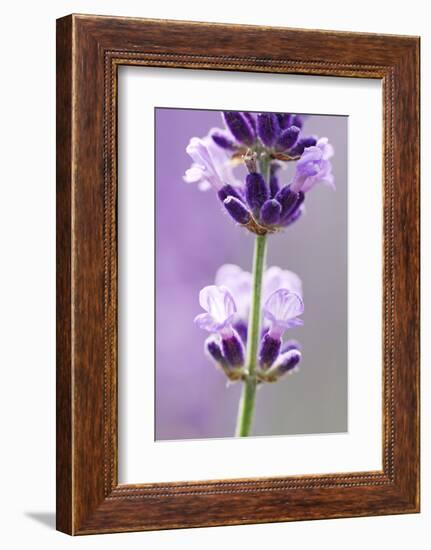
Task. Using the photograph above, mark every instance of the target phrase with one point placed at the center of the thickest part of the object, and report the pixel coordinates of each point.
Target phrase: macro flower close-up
(251, 292)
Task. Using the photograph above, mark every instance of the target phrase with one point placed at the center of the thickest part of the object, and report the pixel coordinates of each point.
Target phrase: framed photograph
(237, 274)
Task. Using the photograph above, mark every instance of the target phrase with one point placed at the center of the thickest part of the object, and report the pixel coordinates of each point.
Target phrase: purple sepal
(288, 138)
(288, 361)
(237, 210)
(302, 144)
(270, 212)
(298, 120)
(287, 199)
(222, 141)
(284, 120)
(292, 218)
(269, 351)
(274, 185)
(290, 210)
(228, 191)
(242, 330)
(239, 127)
(268, 128)
(214, 350)
(256, 191)
(290, 345)
(233, 350)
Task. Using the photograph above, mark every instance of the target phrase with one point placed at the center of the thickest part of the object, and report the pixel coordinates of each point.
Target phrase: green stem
(264, 165)
(248, 397)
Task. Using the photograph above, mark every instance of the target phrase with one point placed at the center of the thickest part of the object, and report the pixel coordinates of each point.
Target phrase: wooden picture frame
(89, 51)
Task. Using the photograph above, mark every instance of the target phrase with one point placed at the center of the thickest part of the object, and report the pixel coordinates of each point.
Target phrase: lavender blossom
(210, 166)
(287, 362)
(213, 349)
(287, 138)
(314, 167)
(240, 127)
(282, 310)
(220, 309)
(221, 139)
(238, 282)
(302, 144)
(270, 212)
(233, 350)
(269, 350)
(256, 191)
(268, 128)
(237, 210)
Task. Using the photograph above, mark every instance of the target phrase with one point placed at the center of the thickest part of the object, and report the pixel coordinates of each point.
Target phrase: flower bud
(233, 350)
(222, 141)
(256, 191)
(287, 198)
(287, 362)
(288, 138)
(297, 120)
(268, 128)
(284, 120)
(239, 127)
(290, 345)
(213, 349)
(269, 351)
(228, 191)
(293, 207)
(302, 144)
(237, 210)
(292, 218)
(270, 212)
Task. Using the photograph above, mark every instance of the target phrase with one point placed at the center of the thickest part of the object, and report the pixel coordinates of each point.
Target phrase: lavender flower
(270, 212)
(210, 166)
(237, 210)
(268, 128)
(287, 138)
(282, 310)
(286, 363)
(256, 191)
(314, 167)
(220, 309)
(238, 282)
(240, 127)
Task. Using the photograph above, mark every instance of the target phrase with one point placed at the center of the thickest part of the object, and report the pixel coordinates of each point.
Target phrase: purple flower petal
(220, 308)
(282, 310)
(314, 167)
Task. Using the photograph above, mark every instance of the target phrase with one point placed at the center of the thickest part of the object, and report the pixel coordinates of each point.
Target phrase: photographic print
(251, 273)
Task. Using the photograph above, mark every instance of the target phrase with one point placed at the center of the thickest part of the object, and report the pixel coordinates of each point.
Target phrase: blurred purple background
(193, 238)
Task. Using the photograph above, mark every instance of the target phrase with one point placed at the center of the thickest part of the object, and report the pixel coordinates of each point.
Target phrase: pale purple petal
(220, 306)
(210, 166)
(282, 310)
(314, 167)
(238, 282)
(276, 278)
